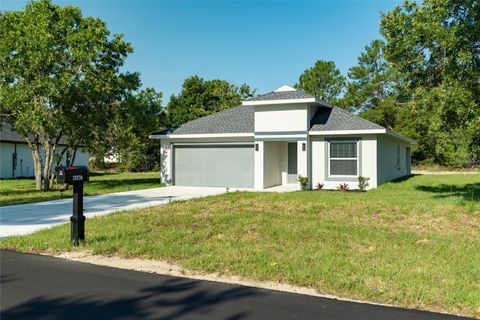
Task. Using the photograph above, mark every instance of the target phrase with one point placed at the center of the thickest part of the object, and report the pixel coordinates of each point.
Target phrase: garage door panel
(214, 165)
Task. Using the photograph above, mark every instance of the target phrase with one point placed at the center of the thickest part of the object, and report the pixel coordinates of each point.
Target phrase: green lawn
(15, 191)
(413, 243)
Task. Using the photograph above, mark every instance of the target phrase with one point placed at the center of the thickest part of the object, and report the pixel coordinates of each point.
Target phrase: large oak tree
(435, 45)
(59, 75)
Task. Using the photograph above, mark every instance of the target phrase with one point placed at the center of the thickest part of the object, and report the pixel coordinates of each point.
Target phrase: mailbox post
(75, 175)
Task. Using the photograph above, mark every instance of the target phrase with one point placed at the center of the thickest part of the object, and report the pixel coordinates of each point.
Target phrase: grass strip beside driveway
(16, 191)
(414, 243)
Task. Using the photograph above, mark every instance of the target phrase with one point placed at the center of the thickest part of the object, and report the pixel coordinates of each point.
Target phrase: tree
(434, 41)
(201, 97)
(444, 124)
(435, 45)
(323, 80)
(59, 75)
(140, 116)
(374, 89)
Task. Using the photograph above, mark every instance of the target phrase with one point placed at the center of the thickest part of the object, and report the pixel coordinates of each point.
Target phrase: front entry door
(292, 162)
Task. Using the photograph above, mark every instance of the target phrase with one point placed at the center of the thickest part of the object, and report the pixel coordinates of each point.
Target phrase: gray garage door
(214, 165)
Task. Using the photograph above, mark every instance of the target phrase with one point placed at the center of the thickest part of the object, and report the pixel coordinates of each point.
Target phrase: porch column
(258, 166)
(302, 152)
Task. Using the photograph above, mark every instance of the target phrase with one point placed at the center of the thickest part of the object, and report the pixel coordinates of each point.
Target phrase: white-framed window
(343, 159)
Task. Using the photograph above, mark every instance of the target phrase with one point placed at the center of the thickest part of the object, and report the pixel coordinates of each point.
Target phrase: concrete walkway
(26, 218)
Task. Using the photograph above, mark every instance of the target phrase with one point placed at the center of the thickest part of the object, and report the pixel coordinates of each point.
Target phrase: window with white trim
(343, 158)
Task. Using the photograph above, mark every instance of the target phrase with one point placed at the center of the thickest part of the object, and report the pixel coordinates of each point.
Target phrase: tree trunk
(37, 161)
(37, 166)
(47, 167)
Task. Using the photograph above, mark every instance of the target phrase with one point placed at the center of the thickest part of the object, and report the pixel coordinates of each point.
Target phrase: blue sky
(264, 44)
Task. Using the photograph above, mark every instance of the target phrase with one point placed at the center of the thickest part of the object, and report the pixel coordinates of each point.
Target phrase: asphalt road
(40, 287)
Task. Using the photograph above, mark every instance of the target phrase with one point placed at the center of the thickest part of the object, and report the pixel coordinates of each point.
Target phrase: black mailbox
(72, 174)
(75, 175)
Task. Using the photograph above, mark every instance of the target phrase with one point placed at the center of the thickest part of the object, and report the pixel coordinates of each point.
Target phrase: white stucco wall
(281, 118)
(25, 160)
(368, 151)
(388, 169)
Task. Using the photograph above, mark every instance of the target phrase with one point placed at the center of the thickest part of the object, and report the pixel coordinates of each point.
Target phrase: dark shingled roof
(335, 118)
(282, 95)
(238, 119)
(7, 134)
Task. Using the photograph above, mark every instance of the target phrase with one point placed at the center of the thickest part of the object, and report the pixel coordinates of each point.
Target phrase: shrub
(303, 182)
(320, 186)
(343, 187)
(363, 183)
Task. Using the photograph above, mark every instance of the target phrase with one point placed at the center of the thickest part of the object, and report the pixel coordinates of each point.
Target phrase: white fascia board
(203, 135)
(279, 136)
(345, 132)
(283, 101)
(400, 137)
(190, 143)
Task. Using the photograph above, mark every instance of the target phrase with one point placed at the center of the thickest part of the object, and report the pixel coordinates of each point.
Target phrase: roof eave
(201, 135)
(362, 131)
(399, 136)
(345, 132)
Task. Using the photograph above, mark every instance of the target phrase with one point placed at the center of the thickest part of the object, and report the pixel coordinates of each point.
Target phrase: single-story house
(16, 160)
(273, 138)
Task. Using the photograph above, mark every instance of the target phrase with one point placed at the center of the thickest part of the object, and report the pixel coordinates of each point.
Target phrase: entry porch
(279, 163)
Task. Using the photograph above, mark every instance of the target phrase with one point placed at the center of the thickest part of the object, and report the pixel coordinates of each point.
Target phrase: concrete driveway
(26, 218)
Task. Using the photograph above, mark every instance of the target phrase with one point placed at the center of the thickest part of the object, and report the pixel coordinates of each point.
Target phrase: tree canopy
(374, 88)
(201, 97)
(435, 46)
(323, 80)
(140, 115)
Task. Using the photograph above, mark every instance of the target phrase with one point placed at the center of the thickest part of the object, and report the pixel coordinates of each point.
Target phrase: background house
(16, 159)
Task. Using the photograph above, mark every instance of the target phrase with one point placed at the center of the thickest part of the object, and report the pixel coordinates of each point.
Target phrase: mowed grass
(413, 243)
(15, 191)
